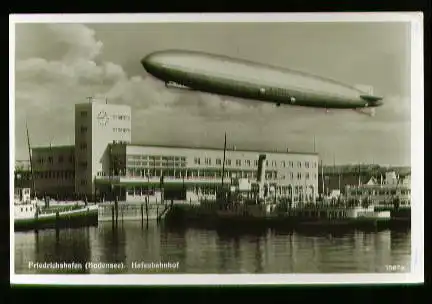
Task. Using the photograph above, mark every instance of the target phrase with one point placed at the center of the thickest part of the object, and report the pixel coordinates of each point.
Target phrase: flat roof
(54, 147)
(218, 149)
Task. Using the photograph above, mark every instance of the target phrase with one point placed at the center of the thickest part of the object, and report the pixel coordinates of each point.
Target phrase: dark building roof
(220, 149)
(53, 147)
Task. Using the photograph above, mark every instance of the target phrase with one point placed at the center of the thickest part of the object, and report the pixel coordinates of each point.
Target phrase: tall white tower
(97, 124)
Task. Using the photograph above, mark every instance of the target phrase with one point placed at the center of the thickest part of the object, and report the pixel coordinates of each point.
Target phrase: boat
(29, 216)
(231, 210)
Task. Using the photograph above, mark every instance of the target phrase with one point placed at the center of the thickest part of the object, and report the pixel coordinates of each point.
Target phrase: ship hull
(211, 218)
(80, 218)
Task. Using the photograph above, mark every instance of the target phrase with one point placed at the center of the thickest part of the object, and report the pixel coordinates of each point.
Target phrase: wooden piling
(147, 212)
(116, 209)
(112, 215)
(57, 219)
(142, 214)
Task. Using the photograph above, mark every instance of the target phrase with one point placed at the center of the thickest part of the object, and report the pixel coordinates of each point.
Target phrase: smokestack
(261, 168)
(261, 175)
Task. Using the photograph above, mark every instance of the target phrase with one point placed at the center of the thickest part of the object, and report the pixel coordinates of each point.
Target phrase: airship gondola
(241, 78)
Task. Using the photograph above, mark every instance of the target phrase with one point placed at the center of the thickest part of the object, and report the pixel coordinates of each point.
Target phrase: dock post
(142, 214)
(147, 211)
(112, 215)
(57, 219)
(116, 209)
(36, 217)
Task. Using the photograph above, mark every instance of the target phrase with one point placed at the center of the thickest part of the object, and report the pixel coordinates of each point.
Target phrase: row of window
(121, 130)
(26, 209)
(60, 159)
(208, 161)
(248, 163)
(82, 164)
(83, 129)
(380, 192)
(134, 172)
(155, 164)
(54, 175)
(211, 189)
(153, 158)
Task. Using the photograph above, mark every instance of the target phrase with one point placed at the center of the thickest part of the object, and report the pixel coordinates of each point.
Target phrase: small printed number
(394, 267)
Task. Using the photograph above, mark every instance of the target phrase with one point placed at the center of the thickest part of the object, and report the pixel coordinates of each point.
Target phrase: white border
(417, 153)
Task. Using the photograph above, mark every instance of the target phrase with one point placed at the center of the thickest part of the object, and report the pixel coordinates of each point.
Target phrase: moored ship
(29, 216)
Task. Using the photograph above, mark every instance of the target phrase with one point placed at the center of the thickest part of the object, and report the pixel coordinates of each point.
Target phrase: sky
(59, 65)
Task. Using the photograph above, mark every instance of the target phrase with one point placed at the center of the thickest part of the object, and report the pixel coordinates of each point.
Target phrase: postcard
(200, 149)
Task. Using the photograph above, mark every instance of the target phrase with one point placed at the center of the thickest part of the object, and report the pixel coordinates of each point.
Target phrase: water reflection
(215, 251)
(52, 246)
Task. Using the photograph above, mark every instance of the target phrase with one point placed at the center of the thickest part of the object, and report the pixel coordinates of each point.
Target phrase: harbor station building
(104, 163)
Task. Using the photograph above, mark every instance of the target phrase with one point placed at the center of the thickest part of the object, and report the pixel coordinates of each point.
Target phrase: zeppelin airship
(222, 75)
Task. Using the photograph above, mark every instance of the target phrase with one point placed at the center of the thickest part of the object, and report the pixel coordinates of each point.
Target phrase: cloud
(66, 65)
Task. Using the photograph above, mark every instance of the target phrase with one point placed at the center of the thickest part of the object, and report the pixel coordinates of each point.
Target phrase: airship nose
(149, 62)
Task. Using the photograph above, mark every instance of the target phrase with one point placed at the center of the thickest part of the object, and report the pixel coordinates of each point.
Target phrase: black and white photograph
(223, 149)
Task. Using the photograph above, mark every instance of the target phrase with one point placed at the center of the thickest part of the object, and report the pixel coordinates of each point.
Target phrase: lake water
(193, 250)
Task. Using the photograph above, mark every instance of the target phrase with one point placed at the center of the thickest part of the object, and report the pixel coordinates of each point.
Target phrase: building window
(307, 175)
(197, 161)
(248, 162)
(267, 163)
(307, 164)
(299, 164)
(50, 159)
(273, 163)
(83, 146)
(83, 129)
(299, 175)
(291, 164)
(218, 161)
(83, 182)
(315, 164)
(228, 162)
(283, 164)
(256, 163)
(238, 162)
(83, 113)
(208, 161)
(291, 175)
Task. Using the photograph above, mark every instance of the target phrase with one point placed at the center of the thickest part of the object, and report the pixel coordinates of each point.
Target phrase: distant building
(104, 163)
(22, 174)
(383, 191)
(54, 170)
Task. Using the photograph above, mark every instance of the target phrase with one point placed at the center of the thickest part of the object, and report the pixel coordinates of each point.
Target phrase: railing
(120, 178)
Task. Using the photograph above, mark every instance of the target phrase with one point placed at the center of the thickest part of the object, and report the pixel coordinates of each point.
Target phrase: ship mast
(223, 164)
(322, 178)
(31, 162)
